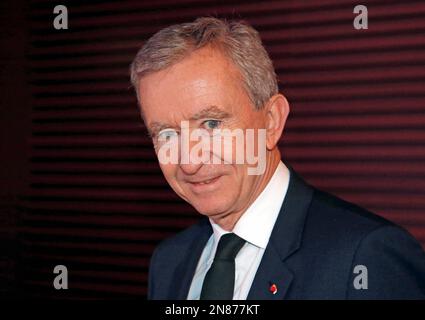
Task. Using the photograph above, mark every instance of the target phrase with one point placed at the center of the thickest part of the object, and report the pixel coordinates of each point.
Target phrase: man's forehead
(203, 68)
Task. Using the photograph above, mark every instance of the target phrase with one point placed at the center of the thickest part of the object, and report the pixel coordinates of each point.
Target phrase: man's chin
(210, 210)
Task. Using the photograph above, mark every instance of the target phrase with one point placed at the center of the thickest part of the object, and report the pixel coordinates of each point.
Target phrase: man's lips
(204, 185)
(204, 181)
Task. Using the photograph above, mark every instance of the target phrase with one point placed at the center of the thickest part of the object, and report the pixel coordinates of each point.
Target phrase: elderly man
(267, 234)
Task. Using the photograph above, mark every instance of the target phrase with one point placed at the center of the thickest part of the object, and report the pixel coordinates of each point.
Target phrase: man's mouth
(207, 181)
(205, 185)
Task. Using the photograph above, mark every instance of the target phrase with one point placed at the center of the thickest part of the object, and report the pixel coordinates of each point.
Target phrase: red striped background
(97, 201)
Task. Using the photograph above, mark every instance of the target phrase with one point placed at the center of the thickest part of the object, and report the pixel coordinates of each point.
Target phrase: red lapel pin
(273, 288)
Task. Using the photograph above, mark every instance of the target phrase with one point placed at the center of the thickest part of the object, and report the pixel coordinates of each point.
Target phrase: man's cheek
(169, 172)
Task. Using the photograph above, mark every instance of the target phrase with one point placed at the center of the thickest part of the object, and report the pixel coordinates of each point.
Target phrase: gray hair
(235, 39)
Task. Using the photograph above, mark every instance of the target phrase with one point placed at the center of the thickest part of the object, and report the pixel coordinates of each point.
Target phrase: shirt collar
(256, 224)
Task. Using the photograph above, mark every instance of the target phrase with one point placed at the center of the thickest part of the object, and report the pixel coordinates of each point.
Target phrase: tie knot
(228, 247)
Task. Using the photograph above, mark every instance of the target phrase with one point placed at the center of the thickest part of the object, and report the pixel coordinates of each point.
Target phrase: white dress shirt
(255, 226)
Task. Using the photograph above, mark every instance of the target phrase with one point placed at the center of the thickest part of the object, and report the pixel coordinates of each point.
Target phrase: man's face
(205, 89)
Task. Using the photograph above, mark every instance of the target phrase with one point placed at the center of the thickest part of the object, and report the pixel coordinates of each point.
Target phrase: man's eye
(211, 124)
(166, 135)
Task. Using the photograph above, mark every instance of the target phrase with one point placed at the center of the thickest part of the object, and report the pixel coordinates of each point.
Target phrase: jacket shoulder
(339, 214)
(338, 236)
(336, 226)
(168, 255)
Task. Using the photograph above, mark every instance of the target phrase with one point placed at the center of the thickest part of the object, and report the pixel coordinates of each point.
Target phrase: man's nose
(189, 163)
(190, 168)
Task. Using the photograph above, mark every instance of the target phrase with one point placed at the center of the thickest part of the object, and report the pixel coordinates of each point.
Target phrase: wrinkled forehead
(201, 80)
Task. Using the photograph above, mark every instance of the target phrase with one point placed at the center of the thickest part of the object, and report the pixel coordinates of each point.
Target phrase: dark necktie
(219, 281)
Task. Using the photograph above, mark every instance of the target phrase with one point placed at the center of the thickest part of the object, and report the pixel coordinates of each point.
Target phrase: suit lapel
(284, 241)
(186, 269)
(272, 271)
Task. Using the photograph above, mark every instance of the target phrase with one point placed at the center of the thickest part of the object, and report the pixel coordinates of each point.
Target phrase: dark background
(79, 183)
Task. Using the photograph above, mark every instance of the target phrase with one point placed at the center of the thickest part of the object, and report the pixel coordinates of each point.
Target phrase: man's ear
(277, 111)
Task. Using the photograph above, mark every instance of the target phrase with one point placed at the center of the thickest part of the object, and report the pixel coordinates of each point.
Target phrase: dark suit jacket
(314, 247)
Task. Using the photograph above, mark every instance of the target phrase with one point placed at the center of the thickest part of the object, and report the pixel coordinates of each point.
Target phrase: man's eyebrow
(210, 112)
(156, 127)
